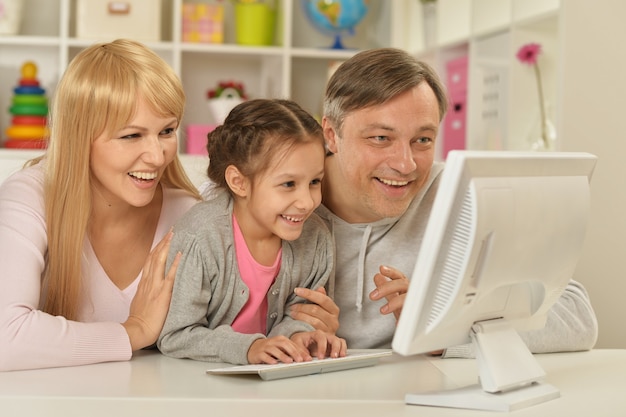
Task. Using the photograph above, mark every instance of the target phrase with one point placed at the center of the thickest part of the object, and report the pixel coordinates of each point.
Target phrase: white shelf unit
(295, 67)
(502, 98)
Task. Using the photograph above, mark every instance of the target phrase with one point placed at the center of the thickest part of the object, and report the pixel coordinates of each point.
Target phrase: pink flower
(528, 53)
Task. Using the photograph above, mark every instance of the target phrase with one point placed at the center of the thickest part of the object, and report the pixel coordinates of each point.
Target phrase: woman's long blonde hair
(98, 93)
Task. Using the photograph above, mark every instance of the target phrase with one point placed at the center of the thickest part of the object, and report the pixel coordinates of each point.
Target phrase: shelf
(295, 67)
(29, 40)
(231, 49)
(501, 94)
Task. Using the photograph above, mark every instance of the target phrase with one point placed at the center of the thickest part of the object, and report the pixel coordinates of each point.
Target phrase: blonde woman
(85, 230)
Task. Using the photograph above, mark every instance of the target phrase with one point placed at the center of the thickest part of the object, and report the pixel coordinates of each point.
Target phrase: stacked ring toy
(29, 108)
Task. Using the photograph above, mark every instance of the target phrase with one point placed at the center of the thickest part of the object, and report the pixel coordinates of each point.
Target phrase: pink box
(197, 138)
(456, 79)
(203, 23)
(454, 124)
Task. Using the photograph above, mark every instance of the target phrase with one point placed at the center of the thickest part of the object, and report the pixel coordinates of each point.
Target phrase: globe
(335, 17)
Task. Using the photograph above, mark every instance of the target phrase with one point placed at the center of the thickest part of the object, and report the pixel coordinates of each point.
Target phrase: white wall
(594, 118)
(12, 160)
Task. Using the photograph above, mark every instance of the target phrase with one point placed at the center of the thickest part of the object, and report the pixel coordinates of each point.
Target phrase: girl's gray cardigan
(209, 292)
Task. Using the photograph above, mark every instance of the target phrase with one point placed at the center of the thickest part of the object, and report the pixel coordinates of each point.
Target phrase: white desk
(591, 383)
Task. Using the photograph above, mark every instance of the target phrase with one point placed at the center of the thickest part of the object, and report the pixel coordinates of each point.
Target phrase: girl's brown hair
(256, 134)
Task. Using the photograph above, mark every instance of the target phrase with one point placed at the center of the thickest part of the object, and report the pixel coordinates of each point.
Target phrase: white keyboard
(353, 359)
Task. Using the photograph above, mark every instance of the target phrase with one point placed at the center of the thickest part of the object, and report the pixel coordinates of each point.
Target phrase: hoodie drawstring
(331, 282)
(361, 268)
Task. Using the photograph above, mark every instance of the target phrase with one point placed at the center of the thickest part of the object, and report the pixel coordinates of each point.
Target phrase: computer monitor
(502, 242)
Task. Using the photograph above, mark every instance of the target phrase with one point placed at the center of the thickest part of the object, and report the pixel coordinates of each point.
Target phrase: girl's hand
(151, 303)
(277, 349)
(321, 344)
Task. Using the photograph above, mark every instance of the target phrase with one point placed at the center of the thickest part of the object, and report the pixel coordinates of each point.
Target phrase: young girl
(249, 247)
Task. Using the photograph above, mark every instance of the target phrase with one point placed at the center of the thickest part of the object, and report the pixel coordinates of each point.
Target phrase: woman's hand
(322, 312)
(392, 285)
(277, 349)
(151, 303)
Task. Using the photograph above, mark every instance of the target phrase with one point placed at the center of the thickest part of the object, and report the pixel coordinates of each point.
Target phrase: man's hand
(392, 285)
(322, 312)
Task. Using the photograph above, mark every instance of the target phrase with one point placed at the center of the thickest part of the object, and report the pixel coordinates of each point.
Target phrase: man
(382, 111)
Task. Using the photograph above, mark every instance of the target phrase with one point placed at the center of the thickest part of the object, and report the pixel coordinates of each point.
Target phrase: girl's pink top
(259, 278)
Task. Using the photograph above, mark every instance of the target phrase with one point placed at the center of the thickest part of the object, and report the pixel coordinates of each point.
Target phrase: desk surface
(591, 383)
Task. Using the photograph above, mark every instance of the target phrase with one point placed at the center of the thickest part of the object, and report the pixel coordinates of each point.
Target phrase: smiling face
(382, 156)
(126, 166)
(279, 200)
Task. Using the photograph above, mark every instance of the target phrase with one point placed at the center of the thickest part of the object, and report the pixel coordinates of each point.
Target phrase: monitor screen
(502, 242)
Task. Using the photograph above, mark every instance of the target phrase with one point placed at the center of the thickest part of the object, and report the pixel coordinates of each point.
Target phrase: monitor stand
(509, 375)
